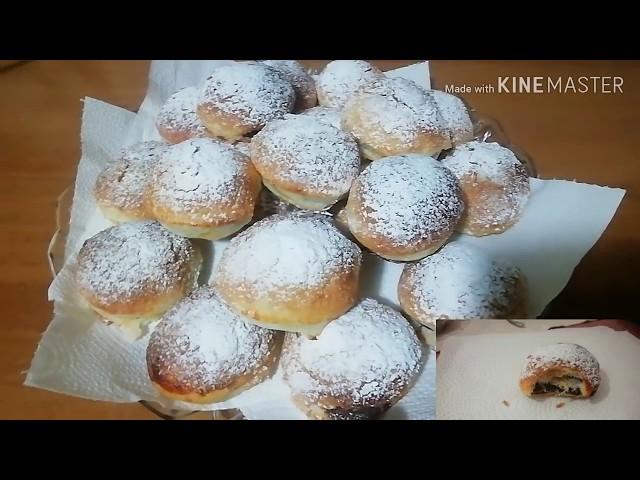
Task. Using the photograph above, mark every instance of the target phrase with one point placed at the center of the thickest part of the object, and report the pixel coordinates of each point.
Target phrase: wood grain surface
(589, 137)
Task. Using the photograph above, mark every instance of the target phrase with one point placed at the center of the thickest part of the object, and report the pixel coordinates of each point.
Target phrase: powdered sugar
(179, 113)
(130, 259)
(393, 110)
(318, 157)
(197, 173)
(455, 115)
(462, 282)
(302, 82)
(123, 182)
(292, 250)
(485, 161)
(341, 79)
(203, 344)
(476, 162)
(324, 114)
(254, 92)
(564, 355)
(408, 197)
(369, 354)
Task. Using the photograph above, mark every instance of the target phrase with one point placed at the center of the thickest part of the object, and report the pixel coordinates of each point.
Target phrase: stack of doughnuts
(350, 140)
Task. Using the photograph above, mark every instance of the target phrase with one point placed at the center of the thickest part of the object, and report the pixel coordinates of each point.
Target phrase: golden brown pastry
(404, 207)
(134, 272)
(495, 185)
(357, 368)
(203, 188)
(561, 370)
(461, 282)
(455, 115)
(240, 99)
(394, 116)
(293, 272)
(203, 352)
(341, 79)
(178, 120)
(121, 185)
(303, 83)
(305, 161)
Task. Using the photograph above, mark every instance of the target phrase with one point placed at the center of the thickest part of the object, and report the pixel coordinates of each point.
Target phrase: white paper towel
(477, 374)
(562, 221)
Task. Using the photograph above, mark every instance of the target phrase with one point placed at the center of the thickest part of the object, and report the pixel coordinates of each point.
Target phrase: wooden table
(590, 138)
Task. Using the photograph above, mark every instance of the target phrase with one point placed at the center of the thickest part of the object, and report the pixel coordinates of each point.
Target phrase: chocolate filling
(550, 387)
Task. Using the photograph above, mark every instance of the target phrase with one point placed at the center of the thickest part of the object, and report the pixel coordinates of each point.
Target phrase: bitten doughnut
(341, 79)
(404, 207)
(120, 187)
(357, 368)
(395, 116)
(328, 115)
(203, 352)
(239, 99)
(203, 188)
(495, 186)
(178, 120)
(303, 83)
(455, 115)
(293, 272)
(134, 272)
(305, 161)
(461, 282)
(562, 370)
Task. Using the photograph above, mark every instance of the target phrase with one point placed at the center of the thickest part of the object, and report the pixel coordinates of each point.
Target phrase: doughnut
(133, 272)
(357, 368)
(461, 282)
(293, 272)
(303, 83)
(203, 352)
(561, 370)
(341, 79)
(178, 120)
(455, 115)
(404, 207)
(203, 188)
(305, 161)
(495, 186)
(239, 99)
(394, 116)
(120, 187)
(328, 115)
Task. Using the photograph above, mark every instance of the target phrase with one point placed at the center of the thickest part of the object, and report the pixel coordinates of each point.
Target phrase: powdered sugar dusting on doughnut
(462, 282)
(397, 109)
(302, 82)
(369, 354)
(455, 115)
(198, 172)
(489, 161)
(254, 92)
(475, 162)
(123, 182)
(341, 79)
(566, 355)
(287, 250)
(409, 197)
(130, 259)
(203, 344)
(315, 155)
(324, 114)
(179, 113)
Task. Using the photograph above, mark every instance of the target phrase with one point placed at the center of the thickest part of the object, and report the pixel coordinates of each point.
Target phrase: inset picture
(538, 370)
